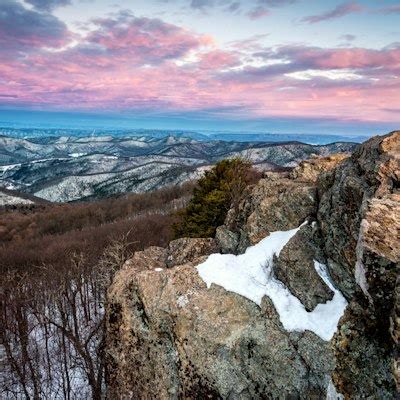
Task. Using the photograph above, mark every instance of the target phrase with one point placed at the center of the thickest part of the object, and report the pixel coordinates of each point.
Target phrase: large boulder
(228, 241)
(309, 170)
(170, 337)
(295, 267)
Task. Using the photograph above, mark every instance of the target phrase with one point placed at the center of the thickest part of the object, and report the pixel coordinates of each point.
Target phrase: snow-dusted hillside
(8, 200)
(15, 198)
(65, 168)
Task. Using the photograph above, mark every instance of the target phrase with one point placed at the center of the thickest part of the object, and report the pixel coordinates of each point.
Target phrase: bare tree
(52, 336)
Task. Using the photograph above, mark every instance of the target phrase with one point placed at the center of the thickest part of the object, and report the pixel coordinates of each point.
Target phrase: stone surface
(188, 249)
(395, 334)
(295, 268)
(275, 203)
(309, 170)
(368, 175)
(151, 258)
(168, 336)
(280, 201)
(381, 230)
(359, 216)
(227, 240)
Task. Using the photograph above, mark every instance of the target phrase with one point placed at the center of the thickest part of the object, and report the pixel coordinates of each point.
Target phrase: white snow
(7, 200)
(158, 269)
(331, 393)
(5, 168)
(251, 275)
(76, 155)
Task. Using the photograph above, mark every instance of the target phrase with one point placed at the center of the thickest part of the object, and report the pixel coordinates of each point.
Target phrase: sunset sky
(257, 65)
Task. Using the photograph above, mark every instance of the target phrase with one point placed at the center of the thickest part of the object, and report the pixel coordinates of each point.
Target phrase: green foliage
(220, 189)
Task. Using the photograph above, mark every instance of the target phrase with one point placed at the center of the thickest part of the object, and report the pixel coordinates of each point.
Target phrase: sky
(250, 65)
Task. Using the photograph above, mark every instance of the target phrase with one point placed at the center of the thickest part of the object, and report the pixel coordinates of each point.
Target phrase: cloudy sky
(272, 65)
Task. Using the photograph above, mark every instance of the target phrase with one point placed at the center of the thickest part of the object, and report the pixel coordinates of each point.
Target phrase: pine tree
(220, 189)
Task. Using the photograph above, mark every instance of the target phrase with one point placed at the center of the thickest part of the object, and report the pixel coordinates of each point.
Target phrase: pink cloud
(359, 58)
(146, 40)
(22, 29)
(305, 57)
(218, 59)
(130, 63)
(355, 58)
(339, 11)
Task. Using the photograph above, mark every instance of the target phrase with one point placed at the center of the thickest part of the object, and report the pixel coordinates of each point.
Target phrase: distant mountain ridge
(67, 168)
(44, 133)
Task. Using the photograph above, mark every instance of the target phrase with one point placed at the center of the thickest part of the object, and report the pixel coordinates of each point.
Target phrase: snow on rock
(251, 275)
(331, 393)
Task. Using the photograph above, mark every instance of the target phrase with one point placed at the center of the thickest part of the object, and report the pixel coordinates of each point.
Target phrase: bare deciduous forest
(56, 263)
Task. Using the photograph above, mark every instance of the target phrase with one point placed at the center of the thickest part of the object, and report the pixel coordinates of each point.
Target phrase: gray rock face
(185, 249)
(275, 203)
(280, 201)
(309, 170)
(359, 216)
(151, 258)
(168, 336)
(295, 268)
(227, 240)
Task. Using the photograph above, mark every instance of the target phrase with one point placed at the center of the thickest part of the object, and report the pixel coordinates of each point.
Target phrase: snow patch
(158, 269)
(251, 275)
(331, 393)
(76, 155)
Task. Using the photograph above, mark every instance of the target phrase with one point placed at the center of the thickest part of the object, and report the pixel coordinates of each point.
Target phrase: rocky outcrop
(277, 202)
(280, 201)
(309, 170)
(295, 268)
(168, 336)
(359, 216)
(151, 258)
(185, 249)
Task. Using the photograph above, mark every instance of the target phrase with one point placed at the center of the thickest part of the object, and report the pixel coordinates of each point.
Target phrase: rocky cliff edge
(170, 334)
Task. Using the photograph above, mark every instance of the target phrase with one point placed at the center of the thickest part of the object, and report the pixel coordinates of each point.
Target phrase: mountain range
(70, 168)
(204, 136)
